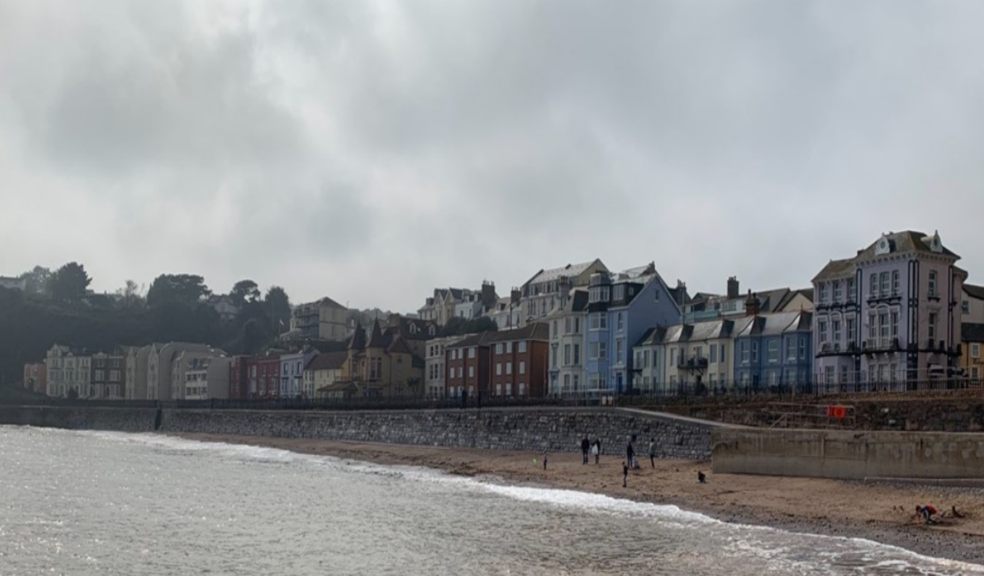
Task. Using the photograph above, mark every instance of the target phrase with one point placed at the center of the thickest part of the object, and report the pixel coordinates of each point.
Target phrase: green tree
(69, 283)
(187, 290)
(245, 291)
(36, 281)
(278, 308)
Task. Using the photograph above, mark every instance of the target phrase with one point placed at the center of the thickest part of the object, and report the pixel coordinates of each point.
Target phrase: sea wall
(848, 454)
(557, 429)
(552, 429)
(123, 419)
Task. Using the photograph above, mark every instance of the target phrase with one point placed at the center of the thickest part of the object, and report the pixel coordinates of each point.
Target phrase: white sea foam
(761, 541)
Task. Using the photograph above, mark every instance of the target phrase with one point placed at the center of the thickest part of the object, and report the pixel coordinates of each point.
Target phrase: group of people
(593, 449)
(589, 447)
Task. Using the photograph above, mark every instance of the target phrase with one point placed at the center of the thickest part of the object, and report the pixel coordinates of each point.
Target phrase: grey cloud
(371, 150)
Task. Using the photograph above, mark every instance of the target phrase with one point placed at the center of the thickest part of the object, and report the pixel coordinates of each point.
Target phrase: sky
(373, 150)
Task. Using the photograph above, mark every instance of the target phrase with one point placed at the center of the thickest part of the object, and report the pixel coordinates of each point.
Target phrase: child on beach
(625, 475)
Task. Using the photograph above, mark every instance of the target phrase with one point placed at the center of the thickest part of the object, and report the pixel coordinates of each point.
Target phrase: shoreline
(881, 512)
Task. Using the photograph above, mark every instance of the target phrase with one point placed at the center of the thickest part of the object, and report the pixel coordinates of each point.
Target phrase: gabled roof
(776, 324)
(376, 339)
(473, 340)
(327, 361)
(652, 337)
(358, 340)
(534, 331)
(970, 332)
(974, 291)
(570, 271)
(836, 269)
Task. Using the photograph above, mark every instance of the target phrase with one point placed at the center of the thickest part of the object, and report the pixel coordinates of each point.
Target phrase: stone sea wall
(552, 429)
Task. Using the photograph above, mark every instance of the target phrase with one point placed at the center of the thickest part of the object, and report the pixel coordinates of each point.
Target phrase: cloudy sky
(370, 151)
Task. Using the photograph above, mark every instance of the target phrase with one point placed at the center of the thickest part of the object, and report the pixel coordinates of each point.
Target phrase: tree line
(58, 307)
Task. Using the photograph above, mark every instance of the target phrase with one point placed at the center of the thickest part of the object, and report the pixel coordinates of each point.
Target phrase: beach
(876, 511)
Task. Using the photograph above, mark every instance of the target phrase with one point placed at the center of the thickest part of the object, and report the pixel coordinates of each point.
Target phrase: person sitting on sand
(928, 512)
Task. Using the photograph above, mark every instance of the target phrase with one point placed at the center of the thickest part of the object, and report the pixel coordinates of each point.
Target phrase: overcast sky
(370, 151)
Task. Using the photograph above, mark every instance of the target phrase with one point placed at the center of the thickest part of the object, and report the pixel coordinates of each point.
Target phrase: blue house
(621, 308)
(774, 351)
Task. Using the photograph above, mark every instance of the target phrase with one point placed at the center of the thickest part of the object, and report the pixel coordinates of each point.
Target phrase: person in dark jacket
(585, 448)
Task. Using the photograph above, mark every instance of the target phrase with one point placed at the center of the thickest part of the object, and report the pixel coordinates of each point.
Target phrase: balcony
(695, 363)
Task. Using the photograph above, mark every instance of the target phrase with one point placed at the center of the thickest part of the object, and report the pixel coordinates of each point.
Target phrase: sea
(97, 503)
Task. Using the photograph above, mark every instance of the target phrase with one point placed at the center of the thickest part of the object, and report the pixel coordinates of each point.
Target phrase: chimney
(515, 295)
(488, 295)
(751, 304)
(733, 290)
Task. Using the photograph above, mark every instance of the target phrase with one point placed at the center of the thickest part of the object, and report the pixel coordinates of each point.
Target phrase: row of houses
(899, 312)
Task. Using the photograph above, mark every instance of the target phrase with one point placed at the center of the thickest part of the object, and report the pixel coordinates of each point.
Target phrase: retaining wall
(552, 429)
(848, 455)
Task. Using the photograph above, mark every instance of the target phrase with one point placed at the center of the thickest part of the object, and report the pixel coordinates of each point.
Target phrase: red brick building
(239, 377)
(263, 379)
(499, 364)
(467, 367)
(518, 361)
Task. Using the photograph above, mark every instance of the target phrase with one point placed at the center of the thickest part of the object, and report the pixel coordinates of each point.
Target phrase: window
(577, 325)
(850, 289)
(577, 354)
(883, 327)
(838, 291)
(498, 368)
(522, 389)
(567, 382)
(790, 349)
(975, 372)
(593, 350)
(932, 284)
(895, 324)
(602, 350)
(744, 352)
(508, 367)
(498, 389)
(873, 285)
(593, 322)
(567, 354)
(835, 326)
(498, 348)
(773, 351)
(884, 283)
(713, 354)
(618, 292)
(619, 349)
(965, 307)
(645, 358)
(851, 334)
(755, 352)
(932, 326)
(471, 371)
(975, 350)
(603, 321)
(872, 326)
(722, 352)
(471, 352)
(620, 321)
(521, 347)
(895, 283)
(822, 324)
(522, 367)
(509, 347)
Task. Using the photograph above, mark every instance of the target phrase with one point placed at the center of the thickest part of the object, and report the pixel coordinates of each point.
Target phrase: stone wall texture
(854, 455)
(536, 429)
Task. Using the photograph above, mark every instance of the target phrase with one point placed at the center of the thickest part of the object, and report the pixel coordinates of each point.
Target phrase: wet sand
(880, 512)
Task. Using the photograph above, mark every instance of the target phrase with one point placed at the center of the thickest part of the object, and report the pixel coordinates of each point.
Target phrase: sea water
(87, 503)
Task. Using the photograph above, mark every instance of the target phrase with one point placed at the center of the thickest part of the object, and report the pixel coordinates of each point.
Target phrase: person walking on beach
(585, 446)
(544, 459)
(630, 455)
(652, 452)
(595, 449)
(625, 475)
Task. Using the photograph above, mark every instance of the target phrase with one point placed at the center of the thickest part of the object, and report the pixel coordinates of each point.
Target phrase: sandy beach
(880, 512)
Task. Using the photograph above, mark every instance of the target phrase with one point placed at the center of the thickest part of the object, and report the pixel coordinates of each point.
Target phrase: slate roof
(905, 241)
(327, 361)
(535, 331)
(836, 269)
(652, 337)
(974, 291)
(970, 332)
(570, 271)
(776, 324)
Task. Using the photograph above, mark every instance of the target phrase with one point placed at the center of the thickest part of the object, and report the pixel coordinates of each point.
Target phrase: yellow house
(382, 364)
(321, 374)
(972, 350)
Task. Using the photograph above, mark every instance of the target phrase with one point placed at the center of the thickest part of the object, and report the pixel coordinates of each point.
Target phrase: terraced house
(890, 316)
(621, 308)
